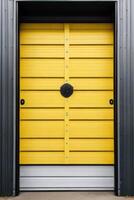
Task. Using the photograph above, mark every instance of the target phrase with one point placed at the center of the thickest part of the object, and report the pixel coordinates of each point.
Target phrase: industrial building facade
(66, 96)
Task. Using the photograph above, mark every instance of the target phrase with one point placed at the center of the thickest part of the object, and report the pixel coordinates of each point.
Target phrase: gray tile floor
(67, 196)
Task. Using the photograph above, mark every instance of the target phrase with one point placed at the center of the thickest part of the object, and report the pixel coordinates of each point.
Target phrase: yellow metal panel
(42, 37)
(91, 114)
(91, 99)
(91, 129)
(55, 129)
(66, 115)
(40, 51)
(42, 67)
(91, 145)
(57, 114)
(92, 83)
(41, 145)
(91, 68)
(91, 51)
(41, 157)
(42, 129)
(41, 26)
(41, 83)
(91, 26)
(92, 158)
(42, 99)
(92, 37)
(82, 55)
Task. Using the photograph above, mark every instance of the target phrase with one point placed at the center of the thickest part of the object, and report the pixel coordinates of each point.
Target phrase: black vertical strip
(115, 100)
(7, 142)
(0, 94)
(6, 100)
(126, 111)
(132, 84)
(4, 141)
(17, 182)
(128, 173)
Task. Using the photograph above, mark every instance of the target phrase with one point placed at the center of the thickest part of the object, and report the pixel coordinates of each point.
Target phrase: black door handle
(22, 101)
(66, 90)
(111, 101)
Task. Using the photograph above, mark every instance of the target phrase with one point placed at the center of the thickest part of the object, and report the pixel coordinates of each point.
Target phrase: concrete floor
(67, 196)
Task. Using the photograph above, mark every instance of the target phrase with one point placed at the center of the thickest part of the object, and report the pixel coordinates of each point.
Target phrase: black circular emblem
(22, 101)
(66, 90)
(111, 101)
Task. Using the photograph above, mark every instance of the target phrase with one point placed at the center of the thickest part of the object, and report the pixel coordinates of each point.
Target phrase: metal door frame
(9, 142)
(119, 37)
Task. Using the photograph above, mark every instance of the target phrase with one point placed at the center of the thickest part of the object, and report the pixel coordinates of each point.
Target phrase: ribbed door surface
(66, 130)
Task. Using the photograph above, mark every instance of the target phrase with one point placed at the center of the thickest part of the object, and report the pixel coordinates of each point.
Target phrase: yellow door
(55, 129)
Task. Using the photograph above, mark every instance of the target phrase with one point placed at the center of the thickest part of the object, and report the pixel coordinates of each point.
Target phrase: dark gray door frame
(9, 169)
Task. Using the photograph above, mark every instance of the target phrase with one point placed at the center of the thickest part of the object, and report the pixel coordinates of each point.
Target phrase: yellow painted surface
(57, 37)
(54, 129)
(92, 114)
(43, 26)
(66, 100)
(40, 51)
(91, 99)
(91, 51)
(91, 67)
(91, 26)
(58, 145)
(46, 68)
(91, 145)
(42, 99)
(91, 129)
(41, 157)
(39, 114)
(42, 68)
(55, 83)
(42, 145)
(42, 37)
(42, 129)
(92, 37)
(78, 99)
(74, 130)
(58, 114)
(92, 157)
(41, 83)
(58, 158)
(92, 84)
(57, 51)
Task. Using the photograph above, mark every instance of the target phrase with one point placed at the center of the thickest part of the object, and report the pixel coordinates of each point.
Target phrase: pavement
(67, 196)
